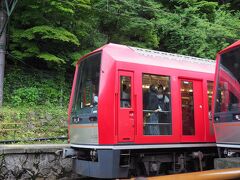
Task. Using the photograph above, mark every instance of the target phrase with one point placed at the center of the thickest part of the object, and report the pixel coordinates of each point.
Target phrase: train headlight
(76, 120)
(93, 155)
(93, 119)
(216, 119)
(237, 117)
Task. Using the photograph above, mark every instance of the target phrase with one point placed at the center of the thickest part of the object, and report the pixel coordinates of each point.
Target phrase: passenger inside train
(125, 96)
(156, 104)
(163, 100)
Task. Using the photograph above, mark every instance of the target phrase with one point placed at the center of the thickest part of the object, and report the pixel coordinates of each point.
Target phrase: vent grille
(171, 56)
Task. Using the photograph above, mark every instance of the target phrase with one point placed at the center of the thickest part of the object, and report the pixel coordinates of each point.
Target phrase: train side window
(229, 77)
(125, 93)
(156, 105)
(220, 96)
(210, 94)
(86, 91)
(188, 124)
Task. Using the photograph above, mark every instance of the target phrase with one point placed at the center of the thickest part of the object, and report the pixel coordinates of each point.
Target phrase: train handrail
(154, 111)
(157, 123)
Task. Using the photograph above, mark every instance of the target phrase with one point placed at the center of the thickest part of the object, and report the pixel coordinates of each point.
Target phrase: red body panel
(119, 58)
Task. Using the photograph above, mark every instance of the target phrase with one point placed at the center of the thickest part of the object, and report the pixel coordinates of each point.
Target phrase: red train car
(138, 111)
(227, 101)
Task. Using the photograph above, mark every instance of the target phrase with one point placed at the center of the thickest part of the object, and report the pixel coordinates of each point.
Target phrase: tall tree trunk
(3, 17)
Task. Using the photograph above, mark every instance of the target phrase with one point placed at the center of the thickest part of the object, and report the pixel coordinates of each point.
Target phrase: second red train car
(140, 112)
(227, 101)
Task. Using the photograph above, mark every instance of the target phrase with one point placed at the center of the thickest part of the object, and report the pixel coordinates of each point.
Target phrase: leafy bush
(28, 87)
(29, 96)
(35, 104)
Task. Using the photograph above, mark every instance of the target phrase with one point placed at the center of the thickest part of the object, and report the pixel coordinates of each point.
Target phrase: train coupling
(69, 153)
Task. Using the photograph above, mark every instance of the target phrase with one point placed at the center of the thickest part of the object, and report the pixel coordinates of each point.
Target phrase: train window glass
(156, 105)
(220, 98)
(125, 94)
(210, 94)
(227, 99)
(188, 124)
(228, 85)
(87, 85)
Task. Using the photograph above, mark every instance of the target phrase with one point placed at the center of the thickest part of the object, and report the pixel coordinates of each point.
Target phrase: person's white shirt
(166, 99)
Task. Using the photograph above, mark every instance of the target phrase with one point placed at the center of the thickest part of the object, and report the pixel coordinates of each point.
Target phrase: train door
(192, 110)
(126, 113)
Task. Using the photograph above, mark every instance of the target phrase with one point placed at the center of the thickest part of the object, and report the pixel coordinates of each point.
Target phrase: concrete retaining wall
(38, 162)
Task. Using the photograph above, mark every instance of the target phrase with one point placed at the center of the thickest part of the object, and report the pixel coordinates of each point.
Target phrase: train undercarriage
(123, 163)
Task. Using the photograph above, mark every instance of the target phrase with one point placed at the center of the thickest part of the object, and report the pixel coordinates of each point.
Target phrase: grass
(24, 123)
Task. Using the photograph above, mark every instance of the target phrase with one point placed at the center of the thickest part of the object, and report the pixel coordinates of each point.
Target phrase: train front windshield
(85, 102)
(227, 101)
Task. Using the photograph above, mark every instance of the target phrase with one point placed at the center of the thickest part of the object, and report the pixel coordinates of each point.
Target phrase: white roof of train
(130, 54)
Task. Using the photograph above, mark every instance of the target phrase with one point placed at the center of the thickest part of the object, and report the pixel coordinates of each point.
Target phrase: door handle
(131, 114)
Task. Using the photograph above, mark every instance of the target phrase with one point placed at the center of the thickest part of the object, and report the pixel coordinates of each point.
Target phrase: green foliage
(50, 33)
(61, 31)
(25, 87)
(188, 27)
(49, 30)
(50, 57)
(197, 28)
(29, 95)
(128, 22)
(35, 104)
